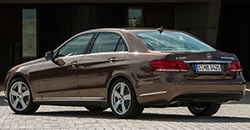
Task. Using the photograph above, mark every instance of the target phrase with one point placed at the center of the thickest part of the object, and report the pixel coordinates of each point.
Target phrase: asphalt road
(231, 116)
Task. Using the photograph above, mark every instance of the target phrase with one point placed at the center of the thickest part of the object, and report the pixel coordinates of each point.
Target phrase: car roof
(129, 29)
(127, 33)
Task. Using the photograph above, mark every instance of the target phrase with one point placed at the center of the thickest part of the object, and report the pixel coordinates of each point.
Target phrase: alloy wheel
(19, 96)
(121, 98)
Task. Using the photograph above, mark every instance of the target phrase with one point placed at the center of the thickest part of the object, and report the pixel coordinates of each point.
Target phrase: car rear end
(199, 79)
(191, 71)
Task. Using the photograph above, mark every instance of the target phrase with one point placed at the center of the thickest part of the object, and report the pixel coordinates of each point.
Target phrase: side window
(76, 46)
(107, 42)
(121, 46)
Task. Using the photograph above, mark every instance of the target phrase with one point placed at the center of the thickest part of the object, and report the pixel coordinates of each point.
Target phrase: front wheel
(201, 109)
(20, 97)
(122, 100)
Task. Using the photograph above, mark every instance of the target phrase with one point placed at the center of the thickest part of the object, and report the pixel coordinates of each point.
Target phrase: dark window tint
(121, 46)
(171, 41)
(108, 42)
(76, 46)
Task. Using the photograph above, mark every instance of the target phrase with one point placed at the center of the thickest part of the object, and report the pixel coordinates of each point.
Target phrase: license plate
(207, 67)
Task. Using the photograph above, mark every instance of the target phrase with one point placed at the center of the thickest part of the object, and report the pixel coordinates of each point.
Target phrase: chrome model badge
(209, 56)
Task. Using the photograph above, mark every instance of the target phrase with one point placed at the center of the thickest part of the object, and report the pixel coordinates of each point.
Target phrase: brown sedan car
(128, 70)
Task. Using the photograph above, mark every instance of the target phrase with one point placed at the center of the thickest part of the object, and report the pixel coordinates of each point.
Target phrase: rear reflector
(235, 66)
(169, 65)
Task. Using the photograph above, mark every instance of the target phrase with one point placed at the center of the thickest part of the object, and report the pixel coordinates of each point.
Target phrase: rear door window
(108, 42)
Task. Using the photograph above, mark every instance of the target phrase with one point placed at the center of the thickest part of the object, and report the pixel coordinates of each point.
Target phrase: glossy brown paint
(28, 71)
(201, 58)
(88, 77)
(172, 84)
(59, 78)
(95, 70)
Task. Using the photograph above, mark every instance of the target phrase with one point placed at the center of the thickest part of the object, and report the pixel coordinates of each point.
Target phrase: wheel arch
(116, 78)
(18, 75)
(30, 106)
(134, 109)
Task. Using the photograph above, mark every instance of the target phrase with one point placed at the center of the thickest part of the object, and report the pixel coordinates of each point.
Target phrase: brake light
(169, 65)
(235, 66)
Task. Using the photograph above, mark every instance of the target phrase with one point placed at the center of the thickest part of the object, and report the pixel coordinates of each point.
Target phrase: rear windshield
(171, 41)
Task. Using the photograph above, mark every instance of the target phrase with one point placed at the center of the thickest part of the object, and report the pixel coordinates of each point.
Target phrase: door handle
(111, 59)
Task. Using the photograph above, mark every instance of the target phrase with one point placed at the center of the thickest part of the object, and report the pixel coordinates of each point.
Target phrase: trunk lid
(207, 65)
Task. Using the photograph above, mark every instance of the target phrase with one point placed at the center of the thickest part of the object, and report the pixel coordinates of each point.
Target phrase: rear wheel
(95, 109)
(201, 109)
(122, 100)
(20, 97)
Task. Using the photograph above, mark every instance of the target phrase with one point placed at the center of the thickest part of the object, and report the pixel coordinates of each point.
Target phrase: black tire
(204, 109)
(20, 97)
(95, 109)
(122, 100)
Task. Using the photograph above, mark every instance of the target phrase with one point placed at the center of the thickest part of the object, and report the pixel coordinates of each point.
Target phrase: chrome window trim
(103, 53)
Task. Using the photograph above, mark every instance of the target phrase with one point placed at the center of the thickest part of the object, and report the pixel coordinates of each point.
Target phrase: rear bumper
(184, 94)
(209, 97)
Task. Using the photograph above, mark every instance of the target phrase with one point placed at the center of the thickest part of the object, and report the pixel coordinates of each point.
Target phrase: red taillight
(235, 66)
(169, 65)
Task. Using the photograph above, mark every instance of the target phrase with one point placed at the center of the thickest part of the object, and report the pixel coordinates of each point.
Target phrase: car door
(59, 76)
(106, 55)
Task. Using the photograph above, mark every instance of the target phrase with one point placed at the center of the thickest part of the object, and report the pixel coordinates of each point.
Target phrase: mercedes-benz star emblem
(209, 56)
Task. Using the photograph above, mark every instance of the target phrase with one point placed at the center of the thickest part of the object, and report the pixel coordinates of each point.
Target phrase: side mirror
(49, 55)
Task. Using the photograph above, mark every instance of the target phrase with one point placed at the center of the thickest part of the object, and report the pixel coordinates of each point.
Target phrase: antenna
(160, 29)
